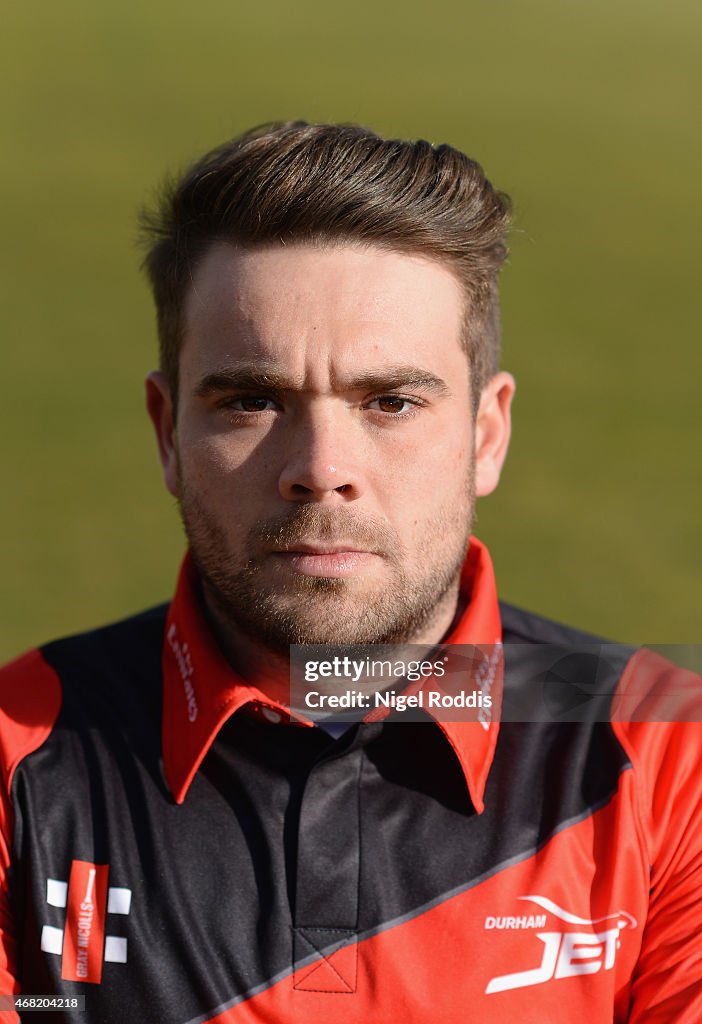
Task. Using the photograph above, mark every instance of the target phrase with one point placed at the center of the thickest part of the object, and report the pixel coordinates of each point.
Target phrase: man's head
(328, 316)
(319, 184)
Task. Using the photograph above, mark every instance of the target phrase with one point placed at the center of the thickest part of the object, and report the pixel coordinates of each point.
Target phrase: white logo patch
(565, 953)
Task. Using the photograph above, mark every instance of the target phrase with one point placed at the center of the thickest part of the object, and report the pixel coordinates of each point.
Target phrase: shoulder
(653, 706)
(35, 687)
(521, 626)
(554, 672)
(118, 646)
(30, 700)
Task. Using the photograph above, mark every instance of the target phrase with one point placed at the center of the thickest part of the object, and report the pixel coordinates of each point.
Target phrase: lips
(307, 548)
(335, 560)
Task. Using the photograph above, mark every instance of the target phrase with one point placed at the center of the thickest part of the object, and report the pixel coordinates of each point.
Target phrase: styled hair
(316, 184)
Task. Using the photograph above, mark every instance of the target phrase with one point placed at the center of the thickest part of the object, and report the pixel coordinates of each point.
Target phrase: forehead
(341, 302)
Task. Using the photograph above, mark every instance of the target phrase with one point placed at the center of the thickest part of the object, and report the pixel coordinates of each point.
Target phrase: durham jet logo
(565, 953)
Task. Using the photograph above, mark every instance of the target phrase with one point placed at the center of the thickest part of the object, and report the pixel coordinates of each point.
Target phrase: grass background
(588, 114)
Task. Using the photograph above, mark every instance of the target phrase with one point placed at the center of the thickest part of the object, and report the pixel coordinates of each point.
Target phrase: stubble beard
(300, 609)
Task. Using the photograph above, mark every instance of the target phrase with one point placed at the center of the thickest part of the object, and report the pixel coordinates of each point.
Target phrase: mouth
(329, 559)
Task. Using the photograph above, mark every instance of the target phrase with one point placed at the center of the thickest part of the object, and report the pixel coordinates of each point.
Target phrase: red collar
(201, 690)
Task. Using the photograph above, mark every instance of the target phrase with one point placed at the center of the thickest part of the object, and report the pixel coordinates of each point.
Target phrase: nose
(323, 458)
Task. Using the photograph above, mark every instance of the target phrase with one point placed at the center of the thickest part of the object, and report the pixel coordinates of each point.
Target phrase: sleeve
(660, 725)
(8, 980)
(30, 699)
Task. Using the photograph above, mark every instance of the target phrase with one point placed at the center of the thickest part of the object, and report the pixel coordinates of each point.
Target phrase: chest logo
(565, 953)
(89, 901)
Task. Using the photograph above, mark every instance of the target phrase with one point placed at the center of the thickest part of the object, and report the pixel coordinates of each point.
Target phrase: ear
(160, 408)
(493, 427)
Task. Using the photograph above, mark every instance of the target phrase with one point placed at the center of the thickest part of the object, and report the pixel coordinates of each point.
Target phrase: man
(183, 842)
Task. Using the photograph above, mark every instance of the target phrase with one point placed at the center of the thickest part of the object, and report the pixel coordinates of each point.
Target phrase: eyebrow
(260, 376)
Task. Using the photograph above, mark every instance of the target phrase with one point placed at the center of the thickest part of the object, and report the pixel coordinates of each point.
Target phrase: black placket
(328, 867)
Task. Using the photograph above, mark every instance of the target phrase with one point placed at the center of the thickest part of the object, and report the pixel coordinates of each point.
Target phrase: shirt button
(271, 715)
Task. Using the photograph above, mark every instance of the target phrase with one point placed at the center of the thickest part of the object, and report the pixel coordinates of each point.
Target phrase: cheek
(230, 483)
(213, 455)
(203, 461)
(446, 491)
(439, 459)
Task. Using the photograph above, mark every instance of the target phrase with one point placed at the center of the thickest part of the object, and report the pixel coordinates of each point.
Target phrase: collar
(474, 742)
(201, 690)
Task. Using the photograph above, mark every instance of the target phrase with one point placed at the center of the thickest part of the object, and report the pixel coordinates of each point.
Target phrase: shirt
(175, 847)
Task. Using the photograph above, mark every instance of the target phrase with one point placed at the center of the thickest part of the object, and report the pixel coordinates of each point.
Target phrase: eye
(251, 404)
(393, 405)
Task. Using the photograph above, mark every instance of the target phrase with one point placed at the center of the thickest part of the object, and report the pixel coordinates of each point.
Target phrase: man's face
(324, 451)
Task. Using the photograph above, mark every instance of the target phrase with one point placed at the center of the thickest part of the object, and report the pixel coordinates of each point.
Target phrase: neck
(269, 670)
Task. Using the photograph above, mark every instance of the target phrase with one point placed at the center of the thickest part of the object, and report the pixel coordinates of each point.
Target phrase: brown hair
(319, 183)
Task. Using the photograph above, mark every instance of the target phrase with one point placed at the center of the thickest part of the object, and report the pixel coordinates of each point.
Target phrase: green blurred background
(588, 114)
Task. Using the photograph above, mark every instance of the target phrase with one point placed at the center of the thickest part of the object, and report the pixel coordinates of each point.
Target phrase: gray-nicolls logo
(83, 943)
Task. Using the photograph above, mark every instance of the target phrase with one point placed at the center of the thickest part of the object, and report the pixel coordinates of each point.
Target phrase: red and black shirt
(174, 857)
